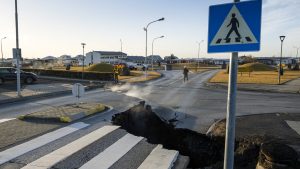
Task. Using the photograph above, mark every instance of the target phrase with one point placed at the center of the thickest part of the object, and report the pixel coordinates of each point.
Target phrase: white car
(136, 66)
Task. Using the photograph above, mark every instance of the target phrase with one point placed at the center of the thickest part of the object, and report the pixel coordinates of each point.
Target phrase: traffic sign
(78, 90)
(235, 27)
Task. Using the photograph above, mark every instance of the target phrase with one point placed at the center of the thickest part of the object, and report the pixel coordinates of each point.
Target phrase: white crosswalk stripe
(113, 153)
(160, 158)
(118, 145)
(5, 120)
(66, 151)
(21, 149)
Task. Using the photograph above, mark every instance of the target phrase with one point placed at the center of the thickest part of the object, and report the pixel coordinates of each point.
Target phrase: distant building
(265, 60)
(135, 59)
(104, 57)
(220, 61)
(156, 58)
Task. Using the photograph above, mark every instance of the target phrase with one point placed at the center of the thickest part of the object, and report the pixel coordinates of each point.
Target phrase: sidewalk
(37, 123)
(289, 87)
(56, 87)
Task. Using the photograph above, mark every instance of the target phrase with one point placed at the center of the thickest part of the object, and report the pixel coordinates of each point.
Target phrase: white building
(104, 57)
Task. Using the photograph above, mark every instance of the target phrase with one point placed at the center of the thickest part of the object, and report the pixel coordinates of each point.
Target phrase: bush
(73, 74)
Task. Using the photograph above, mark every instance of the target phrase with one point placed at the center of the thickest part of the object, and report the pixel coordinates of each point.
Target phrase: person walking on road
(185, 74)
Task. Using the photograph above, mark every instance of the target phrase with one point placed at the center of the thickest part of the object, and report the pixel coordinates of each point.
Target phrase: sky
(58, 27)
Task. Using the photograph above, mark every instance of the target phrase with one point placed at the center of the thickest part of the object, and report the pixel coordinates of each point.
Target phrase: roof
(110, 53)
(136, 58)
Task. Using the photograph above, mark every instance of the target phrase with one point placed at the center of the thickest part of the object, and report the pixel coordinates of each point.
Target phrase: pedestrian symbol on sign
(234, 27)
(234, 30)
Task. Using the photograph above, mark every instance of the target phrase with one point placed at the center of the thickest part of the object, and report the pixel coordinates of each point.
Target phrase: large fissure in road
(202, 150)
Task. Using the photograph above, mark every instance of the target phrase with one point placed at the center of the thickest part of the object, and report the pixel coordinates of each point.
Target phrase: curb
(142, 82)
(69, 118)
(216, 85)
(72, 80)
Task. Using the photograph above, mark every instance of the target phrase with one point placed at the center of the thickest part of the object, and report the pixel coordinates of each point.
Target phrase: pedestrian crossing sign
(235, 27)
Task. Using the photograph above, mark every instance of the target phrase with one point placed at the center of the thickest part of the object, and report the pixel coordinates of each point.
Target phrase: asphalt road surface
(195, 105)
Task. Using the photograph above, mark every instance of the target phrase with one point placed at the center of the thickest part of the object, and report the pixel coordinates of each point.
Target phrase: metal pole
(231, 109)
(279, 72)
(17, 51)
(152, 53)
(146, 52)
(121, 49)
(198, 54)
(82, 74)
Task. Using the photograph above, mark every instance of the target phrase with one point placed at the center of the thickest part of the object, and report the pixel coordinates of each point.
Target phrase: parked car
(10, 74)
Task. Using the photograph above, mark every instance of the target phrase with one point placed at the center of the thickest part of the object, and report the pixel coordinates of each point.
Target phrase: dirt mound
(255, 67)
(101, 67)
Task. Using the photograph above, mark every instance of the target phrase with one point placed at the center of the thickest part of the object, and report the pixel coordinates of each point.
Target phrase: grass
(141, 78)
(250, 67)
(257, 77)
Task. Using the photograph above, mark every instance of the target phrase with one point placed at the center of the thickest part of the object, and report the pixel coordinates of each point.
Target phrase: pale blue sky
(57, 27)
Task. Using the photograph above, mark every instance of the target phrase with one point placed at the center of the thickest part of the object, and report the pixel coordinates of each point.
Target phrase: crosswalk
(235, 40)
(101, 148)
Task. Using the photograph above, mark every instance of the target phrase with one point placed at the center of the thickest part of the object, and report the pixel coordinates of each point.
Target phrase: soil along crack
(141, 121)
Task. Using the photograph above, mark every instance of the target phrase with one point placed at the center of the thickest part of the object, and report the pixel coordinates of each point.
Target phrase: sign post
(233, 27)
(78, 91)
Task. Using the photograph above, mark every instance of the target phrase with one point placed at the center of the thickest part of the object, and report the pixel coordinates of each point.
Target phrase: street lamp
(121, 49)
(280, 68)
(199, 43)
(152, 48)
(83, 44)
(1, 48)
(18, 51)
(297, 51)
(146, 30)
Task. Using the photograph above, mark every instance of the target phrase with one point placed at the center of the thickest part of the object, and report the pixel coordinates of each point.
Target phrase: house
(104, 57)
(156, 58)
(265, 60)
(220, 61)
(135, 59)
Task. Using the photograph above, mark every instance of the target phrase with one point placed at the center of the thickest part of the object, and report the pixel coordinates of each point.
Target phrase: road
(195, 105)
(203, 105)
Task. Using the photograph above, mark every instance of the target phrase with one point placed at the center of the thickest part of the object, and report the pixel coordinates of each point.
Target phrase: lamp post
(152, 48)
(18, 51)
(1, 48)
(280, 67)
(83, 44)
(297, 51)
(121, 48)
(199, 44)
(146, 30)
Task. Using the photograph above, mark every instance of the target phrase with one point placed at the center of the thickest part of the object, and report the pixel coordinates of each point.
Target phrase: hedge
(108, 76)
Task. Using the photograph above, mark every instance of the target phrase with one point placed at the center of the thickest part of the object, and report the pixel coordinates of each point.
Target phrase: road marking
(53, 158)
(113, 153)
(160, 158)
(21, 149)
(5, 120)
(295, 125)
